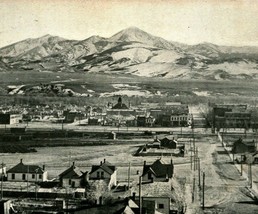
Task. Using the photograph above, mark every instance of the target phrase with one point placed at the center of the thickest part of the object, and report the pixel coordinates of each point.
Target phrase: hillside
(131, 51)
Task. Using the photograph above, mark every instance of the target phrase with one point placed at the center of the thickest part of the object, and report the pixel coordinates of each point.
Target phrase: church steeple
(120, 100)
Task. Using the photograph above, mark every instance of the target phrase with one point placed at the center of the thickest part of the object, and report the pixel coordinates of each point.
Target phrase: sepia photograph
(128, 107)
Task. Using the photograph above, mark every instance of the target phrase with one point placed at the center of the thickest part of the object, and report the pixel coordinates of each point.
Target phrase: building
(72, 116)
(160, 197)
(168, 143)
(145, 121)
(105, 171)
(237, 120)
(73, 177)
(31, 173)
(160, 204)
(231, 116)
(171, 116)
(10, 119)
(158, 171)
(243, 146)
(120, 104)
(117, 206)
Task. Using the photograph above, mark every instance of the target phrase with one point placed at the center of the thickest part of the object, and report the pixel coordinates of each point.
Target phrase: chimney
(144, 163)
(104, 160)
(73, 164)
(21, 160)
(100, 162)
(43, 167)
(171, 161)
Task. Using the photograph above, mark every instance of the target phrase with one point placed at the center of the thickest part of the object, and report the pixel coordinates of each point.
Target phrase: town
(121, 158)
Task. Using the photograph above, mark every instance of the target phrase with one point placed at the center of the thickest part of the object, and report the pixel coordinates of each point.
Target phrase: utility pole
(196, 159)
(36, 191)
(140, 194)
(28, 179)
(191, 155)
(2, 177)
(69, 159)
(241, 165)
(199, 172)
(193, 193)
(250, 175)
(203, 188)
(129, 172)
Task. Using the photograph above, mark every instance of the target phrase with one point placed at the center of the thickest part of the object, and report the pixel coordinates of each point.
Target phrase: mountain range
(131, 51)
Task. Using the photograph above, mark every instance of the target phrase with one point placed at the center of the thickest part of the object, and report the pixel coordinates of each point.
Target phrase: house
(31, 173)
(168, 143)
(104, 171)
(242, 146)
(158, 171)
(160, 204)
(160, 197)
(73, 177)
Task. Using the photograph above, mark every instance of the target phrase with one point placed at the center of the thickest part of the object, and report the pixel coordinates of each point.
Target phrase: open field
(161, 90)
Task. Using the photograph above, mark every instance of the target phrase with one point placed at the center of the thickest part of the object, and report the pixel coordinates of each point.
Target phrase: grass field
(185, 91)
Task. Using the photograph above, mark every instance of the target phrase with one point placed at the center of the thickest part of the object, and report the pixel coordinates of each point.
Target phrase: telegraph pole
(203, 188)
(241, 165)
(199, 172)
(193, 189)
(129, 172)
(250, 175)
(2, 177)
(140, 194)
(191, 155)
(28, 179)
(36, 191)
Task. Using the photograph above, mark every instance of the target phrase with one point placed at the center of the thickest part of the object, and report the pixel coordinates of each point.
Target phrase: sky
(227, 22)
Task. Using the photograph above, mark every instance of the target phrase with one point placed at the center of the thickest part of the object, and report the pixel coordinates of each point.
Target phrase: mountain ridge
(131, 51)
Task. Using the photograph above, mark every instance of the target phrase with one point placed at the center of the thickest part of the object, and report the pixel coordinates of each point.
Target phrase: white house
(72, 177)
(31, 173)
(104, 171)
(160, 204)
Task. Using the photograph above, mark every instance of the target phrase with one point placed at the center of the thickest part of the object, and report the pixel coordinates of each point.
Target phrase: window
(70, 181)
(161, 206)
(97, 174)
(33, 176)
(23, 176)
(40, 176)
(102, 174)
(13, 176)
